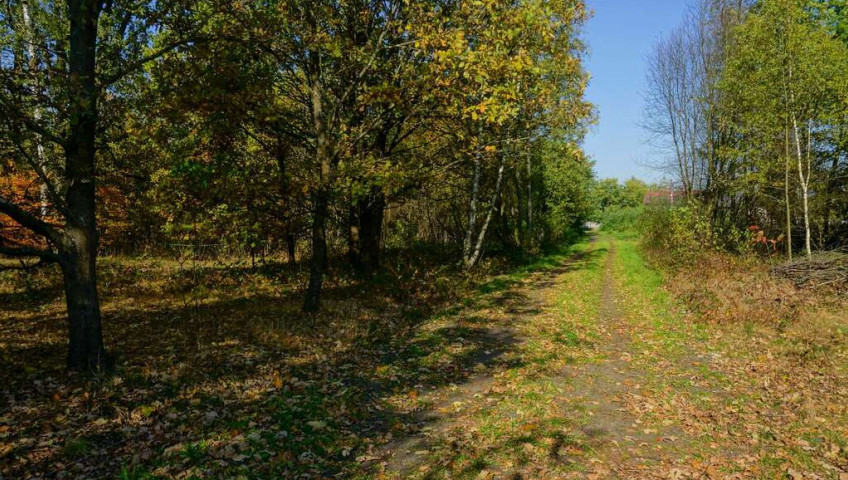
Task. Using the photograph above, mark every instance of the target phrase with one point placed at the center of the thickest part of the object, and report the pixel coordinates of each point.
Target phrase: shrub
(621, 219)
(682, 235)
(714, 270)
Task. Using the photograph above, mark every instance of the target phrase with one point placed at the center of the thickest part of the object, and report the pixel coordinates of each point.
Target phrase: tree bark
(371, 214)
(529, 198)
(78, 264)
(321, 197)
(786, 196)
(78, 248)
(475, 257)
(365, 232)
(319, 253)
(519, 233)
(291, 245)
(354, 255)
(805, 187)
(472, 213)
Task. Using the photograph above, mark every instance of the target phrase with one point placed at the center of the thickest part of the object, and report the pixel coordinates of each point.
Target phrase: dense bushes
(685, 234)
(621, 219)
(749, 100)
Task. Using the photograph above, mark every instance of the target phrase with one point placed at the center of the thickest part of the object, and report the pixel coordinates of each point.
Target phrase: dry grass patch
(724, 289)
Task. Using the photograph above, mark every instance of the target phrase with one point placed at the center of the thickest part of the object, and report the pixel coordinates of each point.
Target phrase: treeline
(610, 194)
(750, 98)
(285, 126)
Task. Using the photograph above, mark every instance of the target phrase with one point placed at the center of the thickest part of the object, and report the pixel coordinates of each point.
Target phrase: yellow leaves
(529, 427)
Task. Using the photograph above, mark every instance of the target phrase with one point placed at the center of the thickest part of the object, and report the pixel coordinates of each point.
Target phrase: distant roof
(662, 196)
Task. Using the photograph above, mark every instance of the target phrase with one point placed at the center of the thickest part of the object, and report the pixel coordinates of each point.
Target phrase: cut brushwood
(827, 269)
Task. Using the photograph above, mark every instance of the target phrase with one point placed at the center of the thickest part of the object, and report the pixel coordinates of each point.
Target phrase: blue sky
(620, 35)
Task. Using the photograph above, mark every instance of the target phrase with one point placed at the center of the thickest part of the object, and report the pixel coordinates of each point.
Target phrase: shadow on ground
(228, 386)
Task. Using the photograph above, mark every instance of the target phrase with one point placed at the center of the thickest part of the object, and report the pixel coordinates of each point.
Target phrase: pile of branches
(823, 270)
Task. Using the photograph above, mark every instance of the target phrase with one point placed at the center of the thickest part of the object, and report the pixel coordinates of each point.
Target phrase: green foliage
(682, 235)
(751, 99)
(568, 188)
(626, 219)
(322, 130)
(609, 193)
(135, 473)
(834, 15)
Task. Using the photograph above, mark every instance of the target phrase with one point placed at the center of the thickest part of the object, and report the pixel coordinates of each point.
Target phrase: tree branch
(28, 252)
(35, 127)
(23, 266)
(29, 221)
(42, 175)
(138, 64)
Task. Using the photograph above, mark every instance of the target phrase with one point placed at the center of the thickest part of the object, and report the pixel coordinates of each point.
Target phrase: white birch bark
(481, 238)
(805, 184)
(44, 192)
(472, 212)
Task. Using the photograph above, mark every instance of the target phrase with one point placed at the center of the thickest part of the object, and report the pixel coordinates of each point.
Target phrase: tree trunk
(319, 253)
(805, 187)
(475, 257)
(78, 264)
(472, 214)
(353, 239)
(529, 198)
(786, 197)
(78, 251)
(520, 230)
(808, 236)
(371, 230)
(365, 232)
(323, 157)
(291, 245)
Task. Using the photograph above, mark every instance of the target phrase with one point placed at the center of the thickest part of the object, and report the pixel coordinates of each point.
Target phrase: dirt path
(593, 372)
(577, 365)
(616, 433)
(449, 413)
(590, 367)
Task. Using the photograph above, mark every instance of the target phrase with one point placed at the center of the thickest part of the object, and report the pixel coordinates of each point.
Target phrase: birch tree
(787, 76)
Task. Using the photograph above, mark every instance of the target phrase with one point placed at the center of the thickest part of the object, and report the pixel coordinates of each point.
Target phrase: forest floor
(579, 365)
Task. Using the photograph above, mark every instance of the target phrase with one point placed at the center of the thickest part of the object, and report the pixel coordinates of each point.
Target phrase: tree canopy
(289, 126)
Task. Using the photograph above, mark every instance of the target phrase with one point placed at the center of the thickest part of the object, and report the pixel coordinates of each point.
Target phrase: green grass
(76, 448)
(136, 473)
(531, 414)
